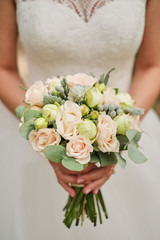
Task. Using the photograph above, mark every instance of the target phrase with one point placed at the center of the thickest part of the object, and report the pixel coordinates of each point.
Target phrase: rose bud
(88, 129)
(101, 87)
(85, 110)
(126, 100)
(94, 115)
(123, 123)
(93, 97)
(40, 123)
(49, 112)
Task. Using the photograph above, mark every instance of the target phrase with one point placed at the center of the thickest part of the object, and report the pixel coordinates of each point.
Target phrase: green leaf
(133, 134)
(116, 90)
(50, 99)
(107, 76)
(121, 160)
(26, 128)
(23, 88)
(107, 159)
(135, 111)
(55, 153)
(20, 110)
(94, 158)
(31, 115)
(77, 93)
(71, 164)
(123, 141)
(134, 154)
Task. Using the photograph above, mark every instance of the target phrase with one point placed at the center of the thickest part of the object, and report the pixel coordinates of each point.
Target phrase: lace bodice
(63, 37)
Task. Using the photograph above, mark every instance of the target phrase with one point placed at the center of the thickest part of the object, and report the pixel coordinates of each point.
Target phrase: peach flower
(80, 78)
(68, 119)
(135, 122)
(80, 148)
(106, 136)
(44, 137)
(35, 94)
(110, 96)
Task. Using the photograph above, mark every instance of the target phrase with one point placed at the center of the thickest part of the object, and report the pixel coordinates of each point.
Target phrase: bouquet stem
(81, 205)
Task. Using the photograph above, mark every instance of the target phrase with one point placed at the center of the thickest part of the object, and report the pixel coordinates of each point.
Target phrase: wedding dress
(60, 38)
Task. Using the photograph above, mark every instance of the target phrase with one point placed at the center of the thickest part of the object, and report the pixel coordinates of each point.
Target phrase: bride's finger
(94, 186)
(95, 174)
(66, 178)
(70, 190)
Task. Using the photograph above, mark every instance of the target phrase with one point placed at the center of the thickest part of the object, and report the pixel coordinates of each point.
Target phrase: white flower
(35, 94)
(68, 119)
(109, 96)
(106, 136)
(51, 83)
(44, 137)
(80, 78)
(80, 148)
(126, 100)
(135, 122)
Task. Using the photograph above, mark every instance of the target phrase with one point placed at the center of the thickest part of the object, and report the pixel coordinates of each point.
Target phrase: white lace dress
(66, 37)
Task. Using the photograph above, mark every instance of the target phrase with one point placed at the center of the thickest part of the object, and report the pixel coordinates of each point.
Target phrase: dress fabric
(61, 38)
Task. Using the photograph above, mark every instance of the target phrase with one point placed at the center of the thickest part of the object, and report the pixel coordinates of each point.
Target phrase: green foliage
(104, 78)
(135, 111)
(26, 128)
(94, 158)
(55, 153)
(134, 135)
(107, 159)
(77, 93)
(123, 140)
(31, 115)
(71, 164)
(121, 160)
(20, 110)
(134, 154)
(51, 99)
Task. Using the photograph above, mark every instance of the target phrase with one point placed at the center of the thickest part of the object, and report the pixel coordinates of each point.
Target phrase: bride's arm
(146, 81)
(10, 93)
(145, 86)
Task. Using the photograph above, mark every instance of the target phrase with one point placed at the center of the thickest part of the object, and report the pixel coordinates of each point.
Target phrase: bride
(62, 37)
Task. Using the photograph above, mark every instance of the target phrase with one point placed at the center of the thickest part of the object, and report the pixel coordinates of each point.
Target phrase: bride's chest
(49, 25)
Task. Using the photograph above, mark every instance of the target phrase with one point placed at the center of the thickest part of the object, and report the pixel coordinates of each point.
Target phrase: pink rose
(106, 136)
(35, 94)
(80, 148)
(80, 78)
(110, 96)
(44, 137)
(68, 119)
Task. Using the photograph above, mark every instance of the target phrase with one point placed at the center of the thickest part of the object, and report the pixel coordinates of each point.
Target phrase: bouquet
(77, 120)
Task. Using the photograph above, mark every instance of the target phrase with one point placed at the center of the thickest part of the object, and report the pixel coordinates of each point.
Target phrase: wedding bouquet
(77, 120)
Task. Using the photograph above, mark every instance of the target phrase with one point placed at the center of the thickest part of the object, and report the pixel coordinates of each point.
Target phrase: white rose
(80, 148)
(35, 94)
(106, 136)
(109, 96)
(44, 137)
(80, 78)
(68, 119)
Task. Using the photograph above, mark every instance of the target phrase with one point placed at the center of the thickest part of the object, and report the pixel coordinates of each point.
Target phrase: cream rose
(51, 83)
(35, 94)
(110, 96)
(68, 119)
(106, 135)
(80, 78)
(44, 137)
(135, 122)
(80, 148)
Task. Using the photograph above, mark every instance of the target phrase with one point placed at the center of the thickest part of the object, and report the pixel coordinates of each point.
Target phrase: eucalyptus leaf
(133, 134)
(55, 153)
(71, 164)
(107, 159)
(134, 154)
(94, 158)
(135, 111)
(123, 140)
(31, 115)
(121, 160)
(20, 110)
(26, 128)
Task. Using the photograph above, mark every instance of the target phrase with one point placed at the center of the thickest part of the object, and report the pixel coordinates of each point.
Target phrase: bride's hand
(66, 177)
(95, 178)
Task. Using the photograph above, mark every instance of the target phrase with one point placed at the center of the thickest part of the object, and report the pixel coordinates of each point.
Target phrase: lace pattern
(84, 8)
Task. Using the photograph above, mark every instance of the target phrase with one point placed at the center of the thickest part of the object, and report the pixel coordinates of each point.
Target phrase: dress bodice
(60, 37)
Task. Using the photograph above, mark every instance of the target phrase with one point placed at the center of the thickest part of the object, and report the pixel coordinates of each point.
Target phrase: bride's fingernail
(80, 180)
(88, 190)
